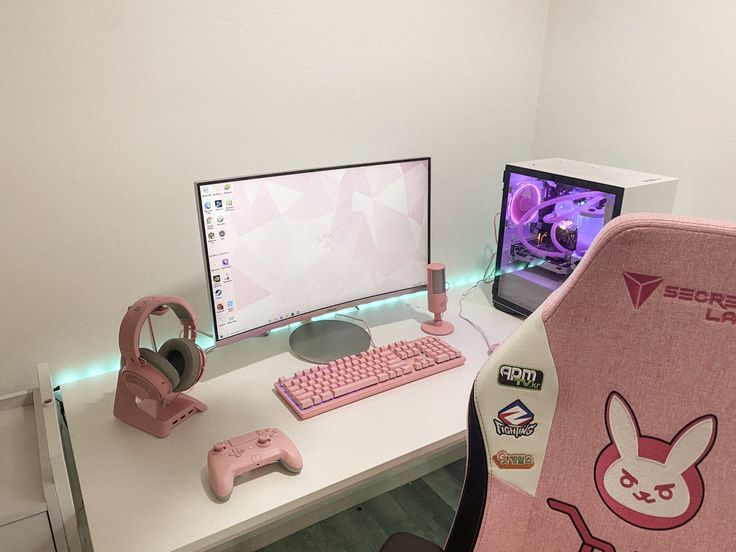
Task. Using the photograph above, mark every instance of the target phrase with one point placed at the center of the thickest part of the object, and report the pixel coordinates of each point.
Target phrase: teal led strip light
(112, 364)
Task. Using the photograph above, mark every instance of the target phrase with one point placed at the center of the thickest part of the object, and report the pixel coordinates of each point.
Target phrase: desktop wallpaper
(281, 246)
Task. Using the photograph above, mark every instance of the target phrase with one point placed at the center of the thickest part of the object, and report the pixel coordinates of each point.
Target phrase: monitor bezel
(305, 316)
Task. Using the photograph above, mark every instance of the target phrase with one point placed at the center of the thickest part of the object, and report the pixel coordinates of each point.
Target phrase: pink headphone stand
(157, 417)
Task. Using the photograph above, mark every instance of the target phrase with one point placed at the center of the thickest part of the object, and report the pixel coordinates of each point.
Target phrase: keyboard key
(354, 386)
(305, 403)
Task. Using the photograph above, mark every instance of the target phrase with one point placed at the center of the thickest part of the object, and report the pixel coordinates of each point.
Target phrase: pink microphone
(437, 299)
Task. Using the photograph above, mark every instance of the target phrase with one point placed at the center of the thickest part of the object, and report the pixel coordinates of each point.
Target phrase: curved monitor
(283, 248)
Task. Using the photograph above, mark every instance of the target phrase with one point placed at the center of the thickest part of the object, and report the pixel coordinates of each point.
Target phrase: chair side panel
(641, 450)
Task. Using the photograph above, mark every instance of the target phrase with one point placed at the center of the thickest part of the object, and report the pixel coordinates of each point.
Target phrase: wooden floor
(424, 507)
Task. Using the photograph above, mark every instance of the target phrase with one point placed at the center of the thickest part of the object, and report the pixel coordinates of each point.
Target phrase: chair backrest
(605, 422)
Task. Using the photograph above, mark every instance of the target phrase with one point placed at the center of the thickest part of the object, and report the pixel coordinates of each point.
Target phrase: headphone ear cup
(184, 355)
(162, 365)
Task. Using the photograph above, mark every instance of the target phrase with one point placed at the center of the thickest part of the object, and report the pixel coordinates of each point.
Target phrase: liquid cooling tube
(528, 215)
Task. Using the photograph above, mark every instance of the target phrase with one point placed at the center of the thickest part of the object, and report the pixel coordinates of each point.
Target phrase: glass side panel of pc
(547, 224)
(283, 248)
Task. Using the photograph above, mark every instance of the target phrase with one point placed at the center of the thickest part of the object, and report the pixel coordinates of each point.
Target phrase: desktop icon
(211, 235)
(229, 202)
(205, 189)
(209, 220)
(207, 205)
(225, 262)
(218, 203)
(220, 307)
(218, 293)
(216, 278)
(222, 233)
(227, 276)
(220, 218)
(230, 304)
(227, 186)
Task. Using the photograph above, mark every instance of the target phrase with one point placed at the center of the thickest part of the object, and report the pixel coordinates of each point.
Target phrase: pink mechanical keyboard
(328, 386)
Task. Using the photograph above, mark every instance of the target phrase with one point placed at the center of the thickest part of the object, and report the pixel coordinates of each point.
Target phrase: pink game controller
(229, 459)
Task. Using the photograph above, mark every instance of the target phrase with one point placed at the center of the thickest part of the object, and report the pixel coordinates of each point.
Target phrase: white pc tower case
(550, 213)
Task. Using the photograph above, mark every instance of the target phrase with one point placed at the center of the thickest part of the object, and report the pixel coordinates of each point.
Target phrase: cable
(367, 327)
(594, 196)
(485, 279)
(211, 347)
(208, 349)
(490, 346)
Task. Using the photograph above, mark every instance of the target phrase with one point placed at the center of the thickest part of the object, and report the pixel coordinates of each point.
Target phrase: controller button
(263, 441)
(256, 458)
(219, 447)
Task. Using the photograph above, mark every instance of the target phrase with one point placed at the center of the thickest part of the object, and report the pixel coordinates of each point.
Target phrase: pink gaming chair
(604, 423)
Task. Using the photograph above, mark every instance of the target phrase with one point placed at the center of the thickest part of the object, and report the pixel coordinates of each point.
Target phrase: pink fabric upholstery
(501, 530)
(643, 337)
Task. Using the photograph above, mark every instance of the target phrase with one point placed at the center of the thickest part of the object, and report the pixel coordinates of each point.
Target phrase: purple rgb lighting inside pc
(548, 222)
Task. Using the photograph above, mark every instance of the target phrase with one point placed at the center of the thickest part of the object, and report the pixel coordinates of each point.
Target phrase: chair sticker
(646, 481)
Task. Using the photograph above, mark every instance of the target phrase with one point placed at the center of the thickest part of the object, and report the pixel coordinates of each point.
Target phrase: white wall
(110, 111)
(647, 85)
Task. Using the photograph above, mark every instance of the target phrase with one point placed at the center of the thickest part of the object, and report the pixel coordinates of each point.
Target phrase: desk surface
(143, 493)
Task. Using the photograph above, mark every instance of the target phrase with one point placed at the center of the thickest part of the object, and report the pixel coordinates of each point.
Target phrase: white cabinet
(31, 534)
(23, 518)
(36, 509)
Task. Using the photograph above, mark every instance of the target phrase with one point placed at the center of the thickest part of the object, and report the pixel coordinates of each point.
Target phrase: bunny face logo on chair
(646, 481)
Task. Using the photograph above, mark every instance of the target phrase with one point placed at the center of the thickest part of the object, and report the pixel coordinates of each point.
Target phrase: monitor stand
(324, 340)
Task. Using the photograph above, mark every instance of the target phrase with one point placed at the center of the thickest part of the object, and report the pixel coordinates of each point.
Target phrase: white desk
(143, 493)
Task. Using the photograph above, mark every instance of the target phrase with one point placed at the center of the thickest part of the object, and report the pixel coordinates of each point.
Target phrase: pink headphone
(178, 364)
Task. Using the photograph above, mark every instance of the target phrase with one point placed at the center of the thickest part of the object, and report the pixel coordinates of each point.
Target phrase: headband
(130, 327)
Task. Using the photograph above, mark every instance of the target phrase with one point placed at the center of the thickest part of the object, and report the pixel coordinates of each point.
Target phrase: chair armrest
(401, 542)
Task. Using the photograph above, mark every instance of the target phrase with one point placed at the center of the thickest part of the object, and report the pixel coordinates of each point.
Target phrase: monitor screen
(282, 248)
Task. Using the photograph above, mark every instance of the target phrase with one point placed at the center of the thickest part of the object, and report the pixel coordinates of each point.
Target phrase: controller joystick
(228, 459)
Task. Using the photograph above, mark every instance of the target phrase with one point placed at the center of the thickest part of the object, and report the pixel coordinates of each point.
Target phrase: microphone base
(438, 328)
